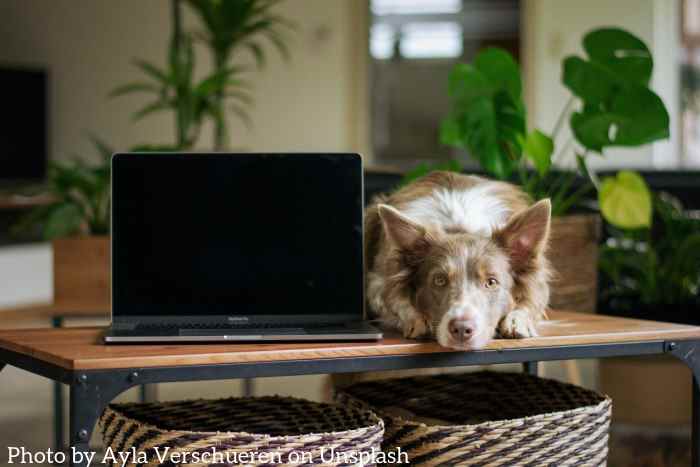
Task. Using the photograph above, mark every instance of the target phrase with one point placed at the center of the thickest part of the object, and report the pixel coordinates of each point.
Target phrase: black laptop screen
(231, 234)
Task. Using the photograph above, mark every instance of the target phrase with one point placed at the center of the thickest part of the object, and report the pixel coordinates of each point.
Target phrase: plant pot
(81, 273)
(573, 252)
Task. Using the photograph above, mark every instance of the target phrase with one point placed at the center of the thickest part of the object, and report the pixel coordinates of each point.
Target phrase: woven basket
(278, 430)
(573, 252)
(488, 419)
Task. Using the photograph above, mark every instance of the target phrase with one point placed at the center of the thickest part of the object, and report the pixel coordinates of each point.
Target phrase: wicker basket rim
(605, 400)
(505, 421)
(372, 417)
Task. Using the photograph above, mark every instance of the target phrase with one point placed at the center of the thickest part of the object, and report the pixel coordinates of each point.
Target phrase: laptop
(237, 248)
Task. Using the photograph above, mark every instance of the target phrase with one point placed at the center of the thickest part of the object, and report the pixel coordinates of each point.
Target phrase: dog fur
(457, 257)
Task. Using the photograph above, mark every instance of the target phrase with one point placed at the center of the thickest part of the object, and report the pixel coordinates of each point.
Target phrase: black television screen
(23, 124)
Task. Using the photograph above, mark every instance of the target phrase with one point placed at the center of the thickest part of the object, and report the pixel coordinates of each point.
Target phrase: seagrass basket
(248, 431)
(488, 419)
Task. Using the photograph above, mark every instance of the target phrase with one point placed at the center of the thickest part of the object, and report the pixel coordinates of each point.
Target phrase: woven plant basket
(279, 430)
(488, 419)
(573, 252)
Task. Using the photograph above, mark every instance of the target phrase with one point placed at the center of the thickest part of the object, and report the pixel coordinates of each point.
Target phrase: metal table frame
(92, 390)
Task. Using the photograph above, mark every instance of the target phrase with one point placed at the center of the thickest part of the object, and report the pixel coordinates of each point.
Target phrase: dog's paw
(517, 324)
(415, 326)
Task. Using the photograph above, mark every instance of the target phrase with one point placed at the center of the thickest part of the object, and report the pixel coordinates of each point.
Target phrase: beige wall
(314, 102)
(554, 29)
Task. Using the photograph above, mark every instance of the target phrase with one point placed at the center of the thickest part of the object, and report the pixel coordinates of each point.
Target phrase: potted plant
(610, 105)
(652, 273)
(77, 224)
(229, 26)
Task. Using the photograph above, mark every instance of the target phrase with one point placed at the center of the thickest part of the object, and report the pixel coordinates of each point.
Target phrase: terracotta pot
(573, 252)
(81, 272)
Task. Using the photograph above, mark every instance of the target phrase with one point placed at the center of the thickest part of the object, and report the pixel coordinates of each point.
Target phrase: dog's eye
(440, 280)
(491, 282)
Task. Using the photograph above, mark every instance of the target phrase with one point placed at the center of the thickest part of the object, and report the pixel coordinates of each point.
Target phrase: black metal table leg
(90, 393)
(695, 446)
(531, 368)
(59, 437)
(689, 353)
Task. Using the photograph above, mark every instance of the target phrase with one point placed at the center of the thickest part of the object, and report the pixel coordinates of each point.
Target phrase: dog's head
(465, 283)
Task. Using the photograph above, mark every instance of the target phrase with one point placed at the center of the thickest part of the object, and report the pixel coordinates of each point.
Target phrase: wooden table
(97, 373)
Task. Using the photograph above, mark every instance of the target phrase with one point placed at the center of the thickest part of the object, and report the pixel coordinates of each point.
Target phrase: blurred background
(82, 78)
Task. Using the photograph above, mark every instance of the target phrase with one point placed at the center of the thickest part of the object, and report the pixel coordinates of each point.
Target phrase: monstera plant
(610, 105)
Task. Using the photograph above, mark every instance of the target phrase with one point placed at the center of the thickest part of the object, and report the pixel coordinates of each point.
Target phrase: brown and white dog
(458, 257)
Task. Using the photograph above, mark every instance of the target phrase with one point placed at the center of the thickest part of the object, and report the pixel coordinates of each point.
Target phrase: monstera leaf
(488, 115)
(618, 108)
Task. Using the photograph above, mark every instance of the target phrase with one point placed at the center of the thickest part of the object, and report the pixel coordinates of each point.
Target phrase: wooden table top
(82, 348)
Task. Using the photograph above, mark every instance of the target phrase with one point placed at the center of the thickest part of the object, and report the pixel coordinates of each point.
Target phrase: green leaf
(539, 148)
(620, 51)
(637, 116)
(625, 200)
(590, 81)
(153, 71)
(618, 107)
(133, 87)
(488, 115)
(103, 148)
(150, 108)
(450, 133)
(466, 83)
(64, 220)
(500, 70)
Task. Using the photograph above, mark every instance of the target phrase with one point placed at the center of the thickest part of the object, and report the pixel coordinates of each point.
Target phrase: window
(413, 45)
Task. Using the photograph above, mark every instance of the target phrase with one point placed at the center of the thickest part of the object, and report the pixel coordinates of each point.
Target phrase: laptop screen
(237, 234)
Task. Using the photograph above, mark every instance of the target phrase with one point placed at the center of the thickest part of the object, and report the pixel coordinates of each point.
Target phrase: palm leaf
(104, 149)
(132, 88)
(153, 71)
(64, 219)
(156, 106)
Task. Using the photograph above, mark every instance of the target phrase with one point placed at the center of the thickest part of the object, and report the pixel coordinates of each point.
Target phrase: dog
(459, 258)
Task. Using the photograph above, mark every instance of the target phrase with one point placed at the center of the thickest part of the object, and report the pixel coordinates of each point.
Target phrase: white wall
(25, 275)
(554, 29)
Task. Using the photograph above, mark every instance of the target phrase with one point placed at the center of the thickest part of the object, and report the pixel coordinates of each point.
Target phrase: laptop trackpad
(240, 332)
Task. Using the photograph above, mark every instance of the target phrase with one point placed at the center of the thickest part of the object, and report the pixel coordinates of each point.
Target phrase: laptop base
(356, 331)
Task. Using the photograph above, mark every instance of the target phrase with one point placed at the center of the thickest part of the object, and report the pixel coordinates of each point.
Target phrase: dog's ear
(403, 232)
(525, 236)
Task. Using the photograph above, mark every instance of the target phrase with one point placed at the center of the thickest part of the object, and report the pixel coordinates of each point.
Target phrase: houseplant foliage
(657, 265)
(81, 193)
(229, 26)
(611, 105)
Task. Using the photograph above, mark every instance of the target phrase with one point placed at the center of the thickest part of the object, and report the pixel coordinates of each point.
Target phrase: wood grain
(81, 270)
(82, 348)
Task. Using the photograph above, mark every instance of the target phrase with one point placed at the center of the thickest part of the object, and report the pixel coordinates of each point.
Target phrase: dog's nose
(461, 330)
